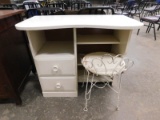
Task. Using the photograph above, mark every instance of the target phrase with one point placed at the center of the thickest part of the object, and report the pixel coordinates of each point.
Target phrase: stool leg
(86, 100)
(88, 91)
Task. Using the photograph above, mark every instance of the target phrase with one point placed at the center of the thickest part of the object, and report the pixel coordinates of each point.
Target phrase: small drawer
(58, 84)
(55, 67)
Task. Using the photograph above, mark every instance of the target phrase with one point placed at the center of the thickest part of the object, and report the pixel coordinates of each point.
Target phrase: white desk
(56, 42)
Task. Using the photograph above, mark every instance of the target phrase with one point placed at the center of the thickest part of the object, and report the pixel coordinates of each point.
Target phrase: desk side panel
(36, 41)
(123, 36)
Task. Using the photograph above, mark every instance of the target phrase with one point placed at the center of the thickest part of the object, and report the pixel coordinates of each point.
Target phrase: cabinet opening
(57, 43)
(82, 50)
(86, 31)
(96, 36)
(85, 49)
(59, 35)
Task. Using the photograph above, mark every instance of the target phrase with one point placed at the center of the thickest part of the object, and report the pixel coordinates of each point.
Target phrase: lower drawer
(58, 84)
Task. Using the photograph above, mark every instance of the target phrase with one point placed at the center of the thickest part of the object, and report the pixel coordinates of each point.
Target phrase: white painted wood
(60, 94)
(55, 59)
(58, 84)
(56, 67)
(123, 36)
(36, 41)
(75, 53)
(57, 50)
(78, 21)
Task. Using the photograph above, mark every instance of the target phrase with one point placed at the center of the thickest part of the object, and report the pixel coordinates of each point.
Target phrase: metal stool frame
(92, 66)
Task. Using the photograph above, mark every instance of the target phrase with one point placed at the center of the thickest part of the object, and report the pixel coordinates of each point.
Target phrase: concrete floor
(140, 94)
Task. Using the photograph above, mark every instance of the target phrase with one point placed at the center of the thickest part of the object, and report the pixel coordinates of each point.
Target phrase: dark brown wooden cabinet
(5, 1)
(15, 57)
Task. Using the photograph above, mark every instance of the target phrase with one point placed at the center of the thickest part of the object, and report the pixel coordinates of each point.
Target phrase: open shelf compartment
(96, 36)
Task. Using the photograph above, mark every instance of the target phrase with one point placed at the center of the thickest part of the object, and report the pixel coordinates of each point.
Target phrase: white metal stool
(107, 65)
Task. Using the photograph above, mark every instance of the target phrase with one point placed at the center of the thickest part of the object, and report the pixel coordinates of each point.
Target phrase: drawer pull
(58, 85)
(55, 68)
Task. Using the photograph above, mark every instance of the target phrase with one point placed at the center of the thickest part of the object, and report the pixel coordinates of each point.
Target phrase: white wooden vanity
(58, 42)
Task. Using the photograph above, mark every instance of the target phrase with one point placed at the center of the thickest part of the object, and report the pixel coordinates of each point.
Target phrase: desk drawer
(58, 84)
(55, 67)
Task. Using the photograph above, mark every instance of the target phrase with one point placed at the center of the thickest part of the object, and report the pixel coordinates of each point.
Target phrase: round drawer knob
(58, 85)
(55, 68)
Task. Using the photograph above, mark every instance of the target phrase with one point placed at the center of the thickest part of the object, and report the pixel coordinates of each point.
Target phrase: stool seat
(103, 63)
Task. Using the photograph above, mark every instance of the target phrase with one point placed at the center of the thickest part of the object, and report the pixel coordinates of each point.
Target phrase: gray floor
(140, 94)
